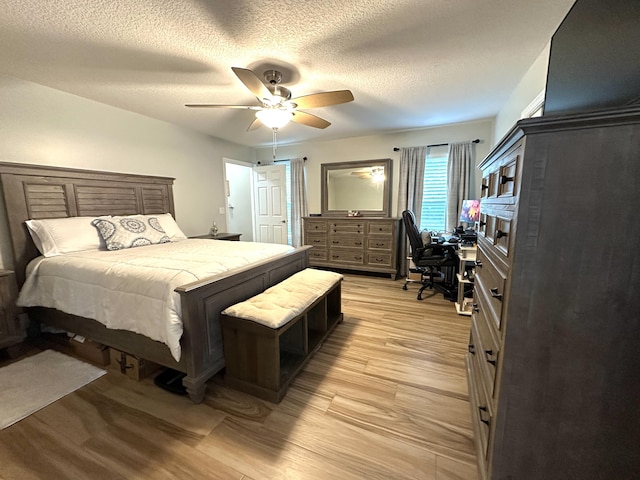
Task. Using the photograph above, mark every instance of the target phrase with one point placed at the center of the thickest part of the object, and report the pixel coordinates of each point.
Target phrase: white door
(270, 189)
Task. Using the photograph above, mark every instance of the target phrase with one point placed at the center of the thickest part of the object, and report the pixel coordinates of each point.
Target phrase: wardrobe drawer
(481, 413)
(507, 177)
(347, 227)
(346, 257)
(486, 350)
(502, 237)
(489, 286)
(346, 241)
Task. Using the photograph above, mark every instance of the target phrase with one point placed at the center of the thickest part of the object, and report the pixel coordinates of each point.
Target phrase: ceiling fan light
(274, 118)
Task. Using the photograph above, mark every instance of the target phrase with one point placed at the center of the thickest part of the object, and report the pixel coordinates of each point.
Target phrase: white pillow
(130, 231)
(170, 226)
(56, 236)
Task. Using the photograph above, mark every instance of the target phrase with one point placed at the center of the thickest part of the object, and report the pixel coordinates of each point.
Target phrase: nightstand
(233, 237)
(11, 332)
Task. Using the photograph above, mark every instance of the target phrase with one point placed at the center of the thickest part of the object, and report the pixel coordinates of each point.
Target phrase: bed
(40, 192)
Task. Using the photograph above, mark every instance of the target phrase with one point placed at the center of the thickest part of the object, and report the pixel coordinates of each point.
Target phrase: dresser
(354, 243)
(11, 331)
(553, 353)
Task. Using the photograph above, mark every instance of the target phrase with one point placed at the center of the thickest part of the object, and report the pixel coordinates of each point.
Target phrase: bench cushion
(286, 300)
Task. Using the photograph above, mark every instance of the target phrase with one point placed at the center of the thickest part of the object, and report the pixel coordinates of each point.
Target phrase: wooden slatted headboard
(37, 192)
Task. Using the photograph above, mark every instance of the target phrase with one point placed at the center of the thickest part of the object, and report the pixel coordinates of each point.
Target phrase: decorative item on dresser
(354, 243)
(11, 330)
(553, 356)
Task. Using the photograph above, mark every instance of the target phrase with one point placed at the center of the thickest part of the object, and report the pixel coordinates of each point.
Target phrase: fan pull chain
(275, 142)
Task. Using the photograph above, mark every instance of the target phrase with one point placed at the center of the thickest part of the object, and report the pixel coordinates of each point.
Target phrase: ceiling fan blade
(309, 120)
(205, 105)
(252, 82)
(325, 99)
(255, 124)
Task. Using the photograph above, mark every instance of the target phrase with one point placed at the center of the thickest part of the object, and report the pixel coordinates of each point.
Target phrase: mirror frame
(386, 193)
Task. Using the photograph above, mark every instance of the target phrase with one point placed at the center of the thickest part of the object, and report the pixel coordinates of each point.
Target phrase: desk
(466, 259)
(234, 237)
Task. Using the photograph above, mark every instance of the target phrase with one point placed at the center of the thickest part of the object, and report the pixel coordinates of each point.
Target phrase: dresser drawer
(347, 227)
(346, 256)
(346, 241)
(318, 254)
(317, 240)
(315, 226)
(379, 243)
(383, 228)
(379, 259)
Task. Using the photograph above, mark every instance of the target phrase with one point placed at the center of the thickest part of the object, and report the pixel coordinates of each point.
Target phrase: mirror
(361, 186)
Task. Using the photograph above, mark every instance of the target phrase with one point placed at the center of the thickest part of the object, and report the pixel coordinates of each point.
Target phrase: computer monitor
(470, 211)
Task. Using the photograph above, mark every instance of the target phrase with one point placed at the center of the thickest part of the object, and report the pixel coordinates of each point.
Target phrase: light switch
(221, 210)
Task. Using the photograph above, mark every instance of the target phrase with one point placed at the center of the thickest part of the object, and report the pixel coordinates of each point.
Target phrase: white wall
(40, 125)
(378, 147)
(530, 85)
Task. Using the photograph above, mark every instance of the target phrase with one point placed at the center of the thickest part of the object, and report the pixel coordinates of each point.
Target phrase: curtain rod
(396, 149)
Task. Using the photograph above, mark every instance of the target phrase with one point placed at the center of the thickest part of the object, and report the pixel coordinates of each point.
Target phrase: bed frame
(38, 192)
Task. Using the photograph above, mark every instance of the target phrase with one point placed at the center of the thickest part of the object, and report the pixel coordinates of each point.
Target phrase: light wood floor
(384, 398)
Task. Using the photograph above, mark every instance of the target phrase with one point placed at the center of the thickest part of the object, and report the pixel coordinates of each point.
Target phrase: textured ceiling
(409, 63)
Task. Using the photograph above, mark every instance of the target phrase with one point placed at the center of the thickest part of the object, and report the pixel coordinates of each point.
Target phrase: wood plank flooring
(384, 398)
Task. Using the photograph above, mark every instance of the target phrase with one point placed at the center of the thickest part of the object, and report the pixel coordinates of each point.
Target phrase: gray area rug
(34, 382)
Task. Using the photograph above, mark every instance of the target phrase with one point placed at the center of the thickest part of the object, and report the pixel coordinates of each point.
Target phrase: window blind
(434, 196)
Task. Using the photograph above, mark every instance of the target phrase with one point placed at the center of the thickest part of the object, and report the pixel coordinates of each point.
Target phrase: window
(434, 193)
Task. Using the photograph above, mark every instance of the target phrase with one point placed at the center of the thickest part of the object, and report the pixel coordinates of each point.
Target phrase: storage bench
(268, 338)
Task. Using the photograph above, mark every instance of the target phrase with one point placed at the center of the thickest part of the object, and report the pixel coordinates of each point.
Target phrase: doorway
(257, 201)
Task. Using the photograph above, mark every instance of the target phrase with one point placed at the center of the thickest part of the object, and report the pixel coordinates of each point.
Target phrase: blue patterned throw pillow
(130, 231)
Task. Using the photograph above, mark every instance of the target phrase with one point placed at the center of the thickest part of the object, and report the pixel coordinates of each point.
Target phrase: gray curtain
(458, 174)
(299, 206)
(412, 161)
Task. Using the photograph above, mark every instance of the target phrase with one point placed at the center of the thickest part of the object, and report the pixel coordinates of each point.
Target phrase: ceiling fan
(375, 174)
(276, 106)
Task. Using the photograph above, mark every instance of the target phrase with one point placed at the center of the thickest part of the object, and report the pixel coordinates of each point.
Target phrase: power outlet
(221, 210)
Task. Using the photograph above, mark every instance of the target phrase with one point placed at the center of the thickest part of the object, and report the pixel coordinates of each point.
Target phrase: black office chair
(429, 259)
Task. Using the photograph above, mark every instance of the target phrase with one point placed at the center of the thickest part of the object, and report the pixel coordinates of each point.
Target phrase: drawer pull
(472, 349)
(358, 243)
(500, 234)
(504, 179)
(495, 294)
(478, 263)
(483, 410)
(489, 355)
(482, 224)
(484, 186)
(335, 242)
(317, 241)
(475, 308)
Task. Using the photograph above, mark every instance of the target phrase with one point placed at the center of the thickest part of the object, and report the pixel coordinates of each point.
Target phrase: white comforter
(133, 289)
